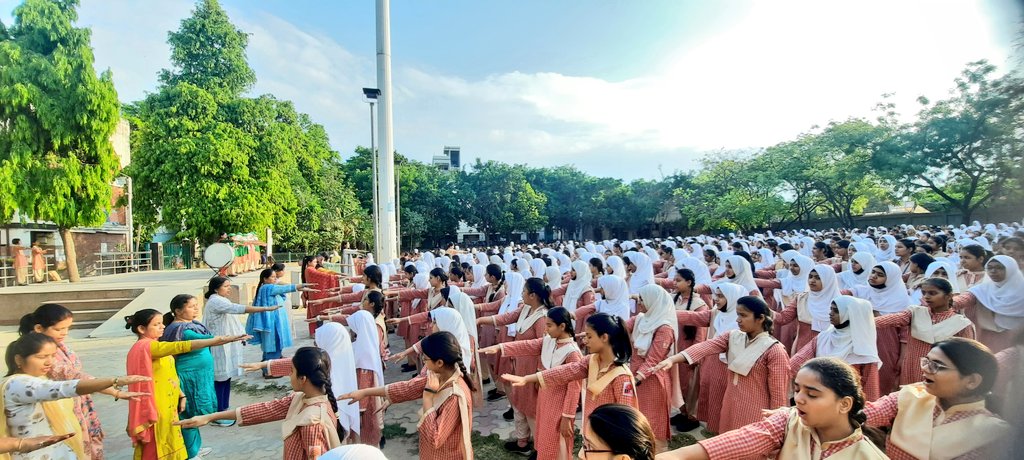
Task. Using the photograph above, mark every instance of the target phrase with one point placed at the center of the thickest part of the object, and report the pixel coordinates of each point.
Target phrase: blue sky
(616, 88)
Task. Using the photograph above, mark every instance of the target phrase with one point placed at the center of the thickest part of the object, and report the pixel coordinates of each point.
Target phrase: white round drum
(218, 255)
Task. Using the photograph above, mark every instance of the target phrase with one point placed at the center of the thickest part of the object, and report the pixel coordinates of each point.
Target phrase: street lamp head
(371, 94)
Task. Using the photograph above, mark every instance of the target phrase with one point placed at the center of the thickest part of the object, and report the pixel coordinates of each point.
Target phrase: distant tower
(449, 160)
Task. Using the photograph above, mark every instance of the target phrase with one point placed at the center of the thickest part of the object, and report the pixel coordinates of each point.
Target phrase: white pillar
(387, 247)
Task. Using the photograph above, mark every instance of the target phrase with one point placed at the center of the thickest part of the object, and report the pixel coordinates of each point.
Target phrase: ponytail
(618, 338)
(47, 315)
(445, 347)
(267, 273)
(315, 365)
(537, 287)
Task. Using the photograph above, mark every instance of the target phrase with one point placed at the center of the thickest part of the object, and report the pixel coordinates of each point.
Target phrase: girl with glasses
(945, 415)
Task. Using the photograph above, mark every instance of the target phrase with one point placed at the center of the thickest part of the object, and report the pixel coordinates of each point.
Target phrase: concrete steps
(91, 307)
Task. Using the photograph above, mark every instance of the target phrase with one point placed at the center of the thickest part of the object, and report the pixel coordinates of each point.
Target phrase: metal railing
(8, 277)
(109, 263)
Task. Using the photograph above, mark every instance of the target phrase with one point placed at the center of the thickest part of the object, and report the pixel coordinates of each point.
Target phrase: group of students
(701, 326)
(800, 351)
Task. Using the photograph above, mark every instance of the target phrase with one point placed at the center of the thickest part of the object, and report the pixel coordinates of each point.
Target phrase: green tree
(502, 201)
(965, 149)
(729, 193)
(56, 118)
(209, 51)
(842, 172)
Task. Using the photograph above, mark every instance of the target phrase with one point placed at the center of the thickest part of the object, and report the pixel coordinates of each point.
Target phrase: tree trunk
(70, 256)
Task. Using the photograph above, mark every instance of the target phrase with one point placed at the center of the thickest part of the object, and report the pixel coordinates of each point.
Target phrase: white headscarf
(1005, 299)
(725, 321)
(644, 273)
(723, 256)
(336, 341)
(744, 276)
(701, 272)
(856, 343)
(767, 259)
(463, 304)
(893, 298)
(618, 266)
(538, 267)
(449, 320)
(522, 267)
(820, 303)
(806, 245)
(793, 284)
(661, 311)
(564, 262)
(888, 254)
(366, 348)
(479, 278)
(353, 452)
(950, 270)
(850, 279)
(553, 277)
(481, 258)
(578, 286)
(616, 296)
(514, 284)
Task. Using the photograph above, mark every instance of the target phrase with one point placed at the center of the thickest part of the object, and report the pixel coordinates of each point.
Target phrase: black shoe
(495, 396)
(486, 381)
(533, 456)
(509, 415)
(408, 367)
(677, 419)
(688, 424)
(515, 448)
(382, 442)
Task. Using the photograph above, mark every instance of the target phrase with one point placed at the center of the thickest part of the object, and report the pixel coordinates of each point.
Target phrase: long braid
(342, 432)
(689, 332)
(465, 375)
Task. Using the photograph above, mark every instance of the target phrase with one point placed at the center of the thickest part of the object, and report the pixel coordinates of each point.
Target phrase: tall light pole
(386, 205)
(371, 95)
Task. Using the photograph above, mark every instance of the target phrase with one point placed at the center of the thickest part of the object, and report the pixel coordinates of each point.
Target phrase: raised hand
(352, 397)
(664, 365)
(515, 380)
(194, 422)
(39, 442)
(491, 350)
(399, 356)
(129, 379)
(253, 367)
(233, 338)
(132, 395)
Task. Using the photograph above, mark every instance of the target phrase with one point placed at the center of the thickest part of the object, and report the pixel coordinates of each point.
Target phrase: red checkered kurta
(868, 372)
(804, 333)
(914, 349)
(883, 413)
(586, 298)
(405, 300)
(656, 391)
(371, 421)
(766, 386)
(487, 333)
(305, 443)
(967, 304)
(441, 431)
(524, 398)
(620, 391)
(323, 282)
(712, 376)
(553, 402)
(686, 372)
(759, 439)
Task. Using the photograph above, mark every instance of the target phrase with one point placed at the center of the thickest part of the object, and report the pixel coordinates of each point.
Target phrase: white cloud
(780, 68)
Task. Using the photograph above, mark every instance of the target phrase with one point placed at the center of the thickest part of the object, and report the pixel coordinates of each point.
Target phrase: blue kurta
(271, 330)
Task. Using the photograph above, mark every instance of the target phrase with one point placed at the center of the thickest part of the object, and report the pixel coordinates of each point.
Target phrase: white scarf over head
(553, 277)
(1006, 298)
(644, 273)
(856, 343)
(616, 297)
(661, 311)
(514, 284)
(701, 272)
(449, 320)
(463, 304)
(479, 275)
(888, 254)
(744, 275)
(366, 348)
(577, 287)
(336, 341)
(618, 266)
(850, 279)
(793, 284)
(725, 321)
(820, 303)
(892, 298)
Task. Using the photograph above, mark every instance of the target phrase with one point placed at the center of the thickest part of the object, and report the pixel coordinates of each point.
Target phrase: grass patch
(394, 430)
(493, 447)
(262, 391)
(707, 434)
(681, 440)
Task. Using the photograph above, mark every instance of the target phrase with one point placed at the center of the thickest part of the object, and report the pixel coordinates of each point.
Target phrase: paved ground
(106, 357)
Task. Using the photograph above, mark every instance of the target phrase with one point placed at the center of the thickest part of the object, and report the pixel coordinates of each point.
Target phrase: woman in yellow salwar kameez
(150, 419)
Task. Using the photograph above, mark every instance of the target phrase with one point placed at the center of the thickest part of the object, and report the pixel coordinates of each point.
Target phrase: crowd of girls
(881, 343)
